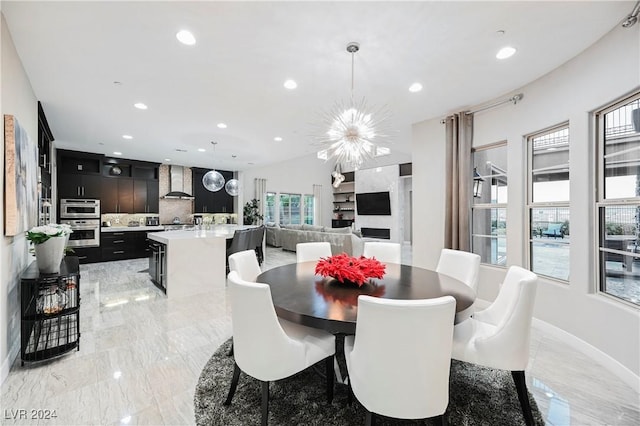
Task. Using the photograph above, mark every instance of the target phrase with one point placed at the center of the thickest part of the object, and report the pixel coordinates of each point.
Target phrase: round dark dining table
(302, 297)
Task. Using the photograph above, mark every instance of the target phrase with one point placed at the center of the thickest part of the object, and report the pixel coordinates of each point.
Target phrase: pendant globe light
(212, 180)
(232, 187)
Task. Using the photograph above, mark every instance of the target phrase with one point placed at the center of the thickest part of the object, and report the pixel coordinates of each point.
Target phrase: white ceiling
(73, 52)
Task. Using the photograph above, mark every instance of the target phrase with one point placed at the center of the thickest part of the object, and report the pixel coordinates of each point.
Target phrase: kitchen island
(194, 261)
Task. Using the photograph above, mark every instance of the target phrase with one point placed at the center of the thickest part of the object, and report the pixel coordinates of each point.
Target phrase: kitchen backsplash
(174, 208)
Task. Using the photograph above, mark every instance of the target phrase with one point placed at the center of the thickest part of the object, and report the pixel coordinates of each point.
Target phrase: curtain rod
(514, 99)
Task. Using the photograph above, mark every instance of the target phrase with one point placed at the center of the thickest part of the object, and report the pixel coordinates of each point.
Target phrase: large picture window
(548, 178)
(290, 208)
(618, 135)
(489, 208)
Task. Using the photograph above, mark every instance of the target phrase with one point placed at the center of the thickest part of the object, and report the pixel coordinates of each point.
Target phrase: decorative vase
(49, 254)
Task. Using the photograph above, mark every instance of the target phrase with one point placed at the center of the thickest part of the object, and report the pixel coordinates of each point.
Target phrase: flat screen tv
(373, 203)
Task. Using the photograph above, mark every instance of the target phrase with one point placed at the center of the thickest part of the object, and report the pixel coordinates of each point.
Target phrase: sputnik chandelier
(353, 127)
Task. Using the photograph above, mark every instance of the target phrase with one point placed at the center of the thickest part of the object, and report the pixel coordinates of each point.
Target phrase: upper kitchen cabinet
(207, 201)
(75, 162)
(130, 186)
(117, 195)
(79, 174)
(79, 186)
(45, 140)
(146, 194)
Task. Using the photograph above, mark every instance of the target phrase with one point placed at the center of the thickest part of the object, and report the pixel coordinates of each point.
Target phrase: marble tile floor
(141, 355)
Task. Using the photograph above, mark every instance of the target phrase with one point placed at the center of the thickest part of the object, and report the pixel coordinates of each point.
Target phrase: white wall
(604, 72)
(298, 176)
(295, 176)
(18, 99)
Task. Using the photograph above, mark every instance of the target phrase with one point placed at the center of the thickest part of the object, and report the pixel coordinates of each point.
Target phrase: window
(548, 178)
(290, 209)
(270, 208)
(309, 209)
(489, 209)
(618, 201)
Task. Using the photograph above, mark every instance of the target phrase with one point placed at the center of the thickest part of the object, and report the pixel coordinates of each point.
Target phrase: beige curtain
(317, 198)
(459, 138)
(260, 185)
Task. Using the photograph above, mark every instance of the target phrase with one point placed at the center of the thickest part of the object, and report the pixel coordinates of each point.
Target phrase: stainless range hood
(176, 185)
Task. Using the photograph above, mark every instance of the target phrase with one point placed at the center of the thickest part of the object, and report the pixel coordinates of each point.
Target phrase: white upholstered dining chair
(268, 348)
(384, 252)
(461, 265)
(396, 369)
(498, 337)
(307, 252)
(245, 263)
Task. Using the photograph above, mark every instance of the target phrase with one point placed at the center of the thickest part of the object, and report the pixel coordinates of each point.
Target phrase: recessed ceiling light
(140, 105)
(415, 87)
(505, 52)
(201, 149)
(167, 159)
(117, 153)
(186, 37)
(127, 137)
(290, 84)
(277, 139)
(222, 126)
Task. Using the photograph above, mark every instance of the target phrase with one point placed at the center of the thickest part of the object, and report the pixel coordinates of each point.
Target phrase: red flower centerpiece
(345, 268)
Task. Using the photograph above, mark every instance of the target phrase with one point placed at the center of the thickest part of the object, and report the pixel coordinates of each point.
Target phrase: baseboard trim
(8, 361)
(610, 363)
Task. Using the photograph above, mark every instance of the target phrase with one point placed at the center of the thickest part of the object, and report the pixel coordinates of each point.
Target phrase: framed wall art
(20, 179)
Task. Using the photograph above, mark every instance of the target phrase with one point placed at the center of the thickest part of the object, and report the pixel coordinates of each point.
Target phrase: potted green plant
(251, 213)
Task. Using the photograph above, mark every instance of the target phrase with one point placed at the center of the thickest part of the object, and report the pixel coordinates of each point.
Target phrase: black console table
(50, 311)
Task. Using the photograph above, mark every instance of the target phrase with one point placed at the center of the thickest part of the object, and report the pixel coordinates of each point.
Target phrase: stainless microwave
(79, 209)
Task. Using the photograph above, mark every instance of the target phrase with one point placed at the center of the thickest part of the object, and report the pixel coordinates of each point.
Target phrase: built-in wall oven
(84, 218)
(79, 209)
(86, 232)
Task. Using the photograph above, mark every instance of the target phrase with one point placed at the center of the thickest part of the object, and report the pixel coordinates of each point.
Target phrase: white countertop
(130, 228)
(215, 231)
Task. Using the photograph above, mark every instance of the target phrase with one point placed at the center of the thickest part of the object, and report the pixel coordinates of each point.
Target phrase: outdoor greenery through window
(309, 209)
(618, 132)
(489, 209)
(270, 208)
(290, 209)
(549, 241)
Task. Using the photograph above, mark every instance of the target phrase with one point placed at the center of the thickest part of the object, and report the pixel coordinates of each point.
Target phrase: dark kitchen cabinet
(79, 174)
(87, 254)
(207, 201)
(122, 245)
(76, 162)
(146, 194)
(116, 195)
(79, 186)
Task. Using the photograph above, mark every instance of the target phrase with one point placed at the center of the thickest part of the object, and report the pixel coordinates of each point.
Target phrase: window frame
(601, 202)
(531, 205)
(488, 206)
(280, 211)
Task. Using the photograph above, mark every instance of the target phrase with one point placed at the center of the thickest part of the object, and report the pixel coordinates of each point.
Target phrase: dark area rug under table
(477, 396)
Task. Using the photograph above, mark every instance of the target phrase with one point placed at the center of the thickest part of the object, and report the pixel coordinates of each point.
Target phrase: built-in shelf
(344, 198)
